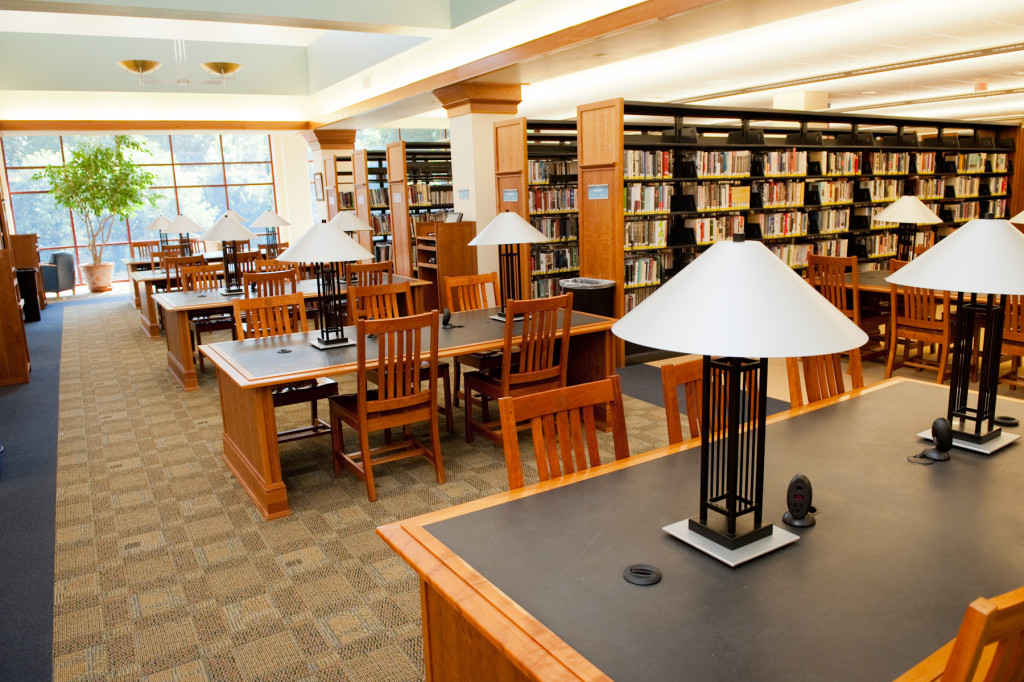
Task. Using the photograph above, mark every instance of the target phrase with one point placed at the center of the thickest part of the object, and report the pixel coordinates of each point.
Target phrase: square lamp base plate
(986, 448)
(777, 540)
(501, 318)
(317, 342)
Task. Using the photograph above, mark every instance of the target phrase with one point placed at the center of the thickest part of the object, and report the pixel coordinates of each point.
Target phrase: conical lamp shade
(508, 228)
(227, 230)
(269, 219)
(983, 256)
(907, 209)
(159, 224)
(1018, 219)
(738, 299)
(234, 215)
(324, 243)
(348, 221)
(183, 225)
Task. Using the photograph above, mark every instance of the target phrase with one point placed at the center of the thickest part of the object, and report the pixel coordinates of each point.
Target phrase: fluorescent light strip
(932, 100)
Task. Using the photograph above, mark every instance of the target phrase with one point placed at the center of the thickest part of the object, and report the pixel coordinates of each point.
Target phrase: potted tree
(99, 185)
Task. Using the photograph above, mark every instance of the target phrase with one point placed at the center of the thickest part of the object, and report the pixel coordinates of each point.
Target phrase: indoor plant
(99, 185)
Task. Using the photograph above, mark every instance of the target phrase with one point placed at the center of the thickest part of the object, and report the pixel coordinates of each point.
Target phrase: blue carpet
(28, 483)
(643, 382)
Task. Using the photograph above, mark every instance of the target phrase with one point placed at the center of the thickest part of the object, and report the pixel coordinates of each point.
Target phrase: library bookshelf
(660, 182)
(419, 180)
(370, 192)
(536, 177)
(443, 250)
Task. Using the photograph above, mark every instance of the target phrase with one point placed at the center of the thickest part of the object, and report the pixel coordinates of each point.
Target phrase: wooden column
(324, 144)
(473, 109)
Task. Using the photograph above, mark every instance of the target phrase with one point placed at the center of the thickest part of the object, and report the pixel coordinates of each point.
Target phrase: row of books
(964, 186)
(998, 185)
(648, 198)
(784, 162)
(646, 233)
(422, 193)
(837, 163)
(642, 270)
(878, 244)
(832, 247)
(541, 171)
(793, 255)
(833, 220)
(774, 225)
(928, 188)
(381, 223)
(546, 287)
(548, 260)
(718, 196)
(883, 189)
(710, 229)
(428, 217)
(550, 199)
(779, 194)
(832, 191)
(890, 163)
(346, 201)
(968, 210)
(382, 251)
(633, 297)
(639, 163)
(977, 162)
(719, 164)
(558, 227)
(378, 196)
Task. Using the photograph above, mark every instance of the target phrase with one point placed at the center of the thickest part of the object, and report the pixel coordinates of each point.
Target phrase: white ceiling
(741, 53)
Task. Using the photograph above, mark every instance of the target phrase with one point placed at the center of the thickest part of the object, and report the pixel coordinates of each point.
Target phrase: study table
(178, 307)
(133, 265)
(248, 370)
(528, 584)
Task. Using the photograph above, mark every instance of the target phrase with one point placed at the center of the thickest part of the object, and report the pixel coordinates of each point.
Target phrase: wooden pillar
(331, 149)
(473, 109)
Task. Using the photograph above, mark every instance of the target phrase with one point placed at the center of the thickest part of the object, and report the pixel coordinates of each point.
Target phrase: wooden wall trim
(77, 126)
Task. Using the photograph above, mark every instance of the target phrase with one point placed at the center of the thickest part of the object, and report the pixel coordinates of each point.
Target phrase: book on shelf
(835, 162)
(793, 255)
(710, 229)
(558, 227)
(928, 188)
(783, 162)
(648, 198)
(775, 194)
(717, 196)
(829, 221)
(883, 189)
(646, 233)
(832, 247)
(830, 192)
(961, 187)
(889, 163)
(541, 171)
(640, 163)
(552, 199)
(552, 259)
(717, 164)
(776, 225)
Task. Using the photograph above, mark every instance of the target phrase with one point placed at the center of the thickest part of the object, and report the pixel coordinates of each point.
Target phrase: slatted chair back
(1013, 339)
(267, 249)
(157, 257)
(198, 246)
(688, 373)
(399, 346)
(989, 645)
(202, 277)
(822, 376)
(827, 274)
(274, 265)
(542, 360)
(247, 260)
(469, 292)
(269, 316)
(144, 249)
(380, 302)
(920, 316)
(371, 274)
(563, 428)
(270, 283)
(173, 264)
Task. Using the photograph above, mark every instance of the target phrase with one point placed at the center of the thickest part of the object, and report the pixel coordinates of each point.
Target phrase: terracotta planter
(97, 276)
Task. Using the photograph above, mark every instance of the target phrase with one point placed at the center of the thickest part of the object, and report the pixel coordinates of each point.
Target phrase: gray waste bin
(595, 296)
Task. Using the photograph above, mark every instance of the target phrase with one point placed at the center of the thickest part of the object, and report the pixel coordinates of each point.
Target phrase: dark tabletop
(880, 581)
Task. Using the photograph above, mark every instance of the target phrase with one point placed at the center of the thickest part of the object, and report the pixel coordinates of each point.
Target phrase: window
(197, 175)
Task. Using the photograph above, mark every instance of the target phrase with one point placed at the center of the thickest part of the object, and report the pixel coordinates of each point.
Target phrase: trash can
(595, 296)
(29, 293)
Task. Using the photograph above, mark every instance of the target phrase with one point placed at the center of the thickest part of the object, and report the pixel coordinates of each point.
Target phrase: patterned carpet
(164, 569)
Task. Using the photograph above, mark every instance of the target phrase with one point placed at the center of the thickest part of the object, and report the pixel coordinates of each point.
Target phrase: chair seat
(305, 392)
(443, 375)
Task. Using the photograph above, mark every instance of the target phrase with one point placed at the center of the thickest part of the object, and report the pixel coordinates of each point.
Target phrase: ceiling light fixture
(222, 70)
(139, 66)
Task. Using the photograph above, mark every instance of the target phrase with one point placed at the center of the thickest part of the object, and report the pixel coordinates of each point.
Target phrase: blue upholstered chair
(59, 273)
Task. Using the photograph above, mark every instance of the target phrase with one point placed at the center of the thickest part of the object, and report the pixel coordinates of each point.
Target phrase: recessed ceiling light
(870, 92)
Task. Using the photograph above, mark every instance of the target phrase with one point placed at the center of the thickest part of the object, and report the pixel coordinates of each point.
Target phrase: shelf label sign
(597, 191)
(398, 197)
(360, 199)
(510, 195)
(463, 195)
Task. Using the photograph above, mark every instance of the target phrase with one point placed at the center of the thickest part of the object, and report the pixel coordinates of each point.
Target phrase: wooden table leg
(591, 359)
(180, 360)
(250, 445)
(147, 309)
(135, 288)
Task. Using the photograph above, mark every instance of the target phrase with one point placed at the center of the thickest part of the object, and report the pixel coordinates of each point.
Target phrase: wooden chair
(157, 256)
(1013, 339)
(204, 278)
(274, 316)
(469, 292)
(989, 645)
(144, 249)
(388, 301)
(265, 249)
(823, 376)
(400, 401)
(688, 373)
(274, 265)
(270, 283)
(563, 428)
(918, 318)
(371, 274)
(827, 274)
(536, 367)
(172, 266)
(247, 260)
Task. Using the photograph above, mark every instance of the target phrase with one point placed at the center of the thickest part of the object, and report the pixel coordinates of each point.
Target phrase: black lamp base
(500, 317)
(731, 541)
(232, 292)
(324, 344)
(776, 539)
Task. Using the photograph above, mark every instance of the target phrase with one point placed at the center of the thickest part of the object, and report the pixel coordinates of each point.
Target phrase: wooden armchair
(273, 316)
(563, 428)
(469, 292)
(827, 274)
(143, 249)
(205, 278)
(536, 367)
(688, 373)
(400, 401)
(172, 266)
(989, 645)
(270, 283)
(823, 376)
(371, 274)
(388, 301)
(918, 318)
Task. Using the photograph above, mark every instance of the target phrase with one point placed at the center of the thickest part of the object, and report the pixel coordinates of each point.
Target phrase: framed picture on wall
(318, 186)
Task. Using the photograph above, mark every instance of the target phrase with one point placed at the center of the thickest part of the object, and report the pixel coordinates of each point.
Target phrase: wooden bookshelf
(443, 250)
(370, 194)
(25, 251)
(419, 190)
(14, 360)
(654, 194)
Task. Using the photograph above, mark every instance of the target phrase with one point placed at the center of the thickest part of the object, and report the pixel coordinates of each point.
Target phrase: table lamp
(159, 225)
(737, 304)
(270, 221)
(908, 211)
(327, 246)
(982, 259)
(350, 222)
(507, 231)
(184, 226)
(234, 215)
(229, 232)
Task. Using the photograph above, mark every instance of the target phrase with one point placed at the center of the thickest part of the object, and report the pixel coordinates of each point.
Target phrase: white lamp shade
(508, 228)
(324, 243)
(1018, 219)
(269, 219)
(183, 225)
(738, 299)
(349, 222)
(227, 230)
(907, 209)
(983, 256)
(159, 224)
(234, 215)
